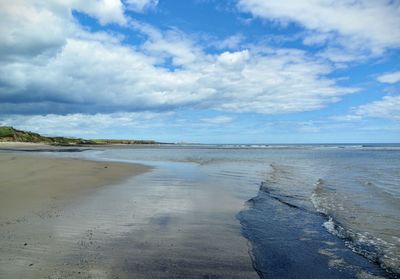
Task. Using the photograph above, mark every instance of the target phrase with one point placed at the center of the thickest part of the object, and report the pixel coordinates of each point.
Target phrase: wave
(279, 197)
(365, 245)
(382, 193)
(272, 220)
(362, 243)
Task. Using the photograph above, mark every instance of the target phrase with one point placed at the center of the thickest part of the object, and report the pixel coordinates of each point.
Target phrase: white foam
(330, 226)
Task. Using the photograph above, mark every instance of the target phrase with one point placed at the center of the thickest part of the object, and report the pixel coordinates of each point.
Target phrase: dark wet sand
(153, 225)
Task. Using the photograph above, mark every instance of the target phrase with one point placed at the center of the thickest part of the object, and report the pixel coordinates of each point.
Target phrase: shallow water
(307, 212)
(355, 188)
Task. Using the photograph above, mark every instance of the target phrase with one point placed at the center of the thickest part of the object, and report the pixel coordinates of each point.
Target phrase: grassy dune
(10, 134)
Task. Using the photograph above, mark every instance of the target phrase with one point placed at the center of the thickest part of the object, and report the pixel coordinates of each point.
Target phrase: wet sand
(171, 222)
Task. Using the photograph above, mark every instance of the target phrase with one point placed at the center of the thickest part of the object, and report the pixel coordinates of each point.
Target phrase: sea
(309, 211)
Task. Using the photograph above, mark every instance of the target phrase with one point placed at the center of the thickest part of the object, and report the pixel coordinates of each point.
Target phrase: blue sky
(235, 71)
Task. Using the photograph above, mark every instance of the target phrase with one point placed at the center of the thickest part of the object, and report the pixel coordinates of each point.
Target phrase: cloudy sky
(234, 71)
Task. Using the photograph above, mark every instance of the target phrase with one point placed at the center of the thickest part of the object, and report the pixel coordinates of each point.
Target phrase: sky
(203, 71)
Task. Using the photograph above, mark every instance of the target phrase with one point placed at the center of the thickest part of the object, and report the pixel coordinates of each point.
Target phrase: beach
(199, 139)
(32, 184)
(79, 218)
(201, 211)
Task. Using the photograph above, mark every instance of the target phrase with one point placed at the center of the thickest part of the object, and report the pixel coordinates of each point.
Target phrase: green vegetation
(6, 132)
(14, 135)
(9, 134)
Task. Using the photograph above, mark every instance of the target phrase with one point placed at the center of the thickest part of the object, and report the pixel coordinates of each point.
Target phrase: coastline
(184, 218)
(28, 181)
(142, 227)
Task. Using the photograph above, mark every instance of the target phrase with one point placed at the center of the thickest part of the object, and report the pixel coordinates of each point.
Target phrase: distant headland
(10, 134)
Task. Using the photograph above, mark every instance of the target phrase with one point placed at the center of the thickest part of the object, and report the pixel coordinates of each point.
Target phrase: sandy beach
(73, 218)
(38, 184)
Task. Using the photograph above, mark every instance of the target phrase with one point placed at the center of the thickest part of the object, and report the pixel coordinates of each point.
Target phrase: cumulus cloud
(393, 77)
(70, 70)
(30, 28)
(110, 11)
(22, 25)
(106, 11)
(363, 23)
(233, 58)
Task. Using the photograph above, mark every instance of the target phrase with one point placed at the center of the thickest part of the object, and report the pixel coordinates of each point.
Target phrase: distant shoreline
(46, 147)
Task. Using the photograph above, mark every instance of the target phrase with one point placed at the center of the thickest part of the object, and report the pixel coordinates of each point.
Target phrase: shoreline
(28, 181)
(286, 221)
(142, 227)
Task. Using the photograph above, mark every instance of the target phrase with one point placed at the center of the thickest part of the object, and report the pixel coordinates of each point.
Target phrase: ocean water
(309, 211)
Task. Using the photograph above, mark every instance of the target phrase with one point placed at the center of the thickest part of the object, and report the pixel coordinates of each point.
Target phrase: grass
(14, 135)
(6, 132)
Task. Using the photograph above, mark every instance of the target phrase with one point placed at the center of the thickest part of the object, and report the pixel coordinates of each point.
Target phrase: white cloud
(169, 44)
(233, 58)
(69, 70)
(231, 42)
(393, 77)
(110, 11)
(368, 23)
(315, 38)
(340, 55)
(84, 124)
(388, 108)
(218, 120)
(106, 11)
(276, 81)
(22, 25)
(31, 28)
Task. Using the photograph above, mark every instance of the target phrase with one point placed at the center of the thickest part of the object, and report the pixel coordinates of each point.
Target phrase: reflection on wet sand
(172, 222)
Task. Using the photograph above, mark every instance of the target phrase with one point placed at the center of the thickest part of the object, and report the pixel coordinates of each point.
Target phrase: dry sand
(37, 184)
